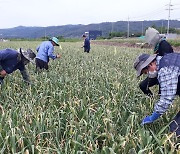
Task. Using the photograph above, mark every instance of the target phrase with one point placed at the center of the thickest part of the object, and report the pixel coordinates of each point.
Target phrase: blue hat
(55, 40)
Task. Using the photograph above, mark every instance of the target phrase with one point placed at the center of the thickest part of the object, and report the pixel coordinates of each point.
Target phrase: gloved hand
(151, 118)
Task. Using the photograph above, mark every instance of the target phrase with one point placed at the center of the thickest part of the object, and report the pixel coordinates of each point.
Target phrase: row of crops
(85, 103)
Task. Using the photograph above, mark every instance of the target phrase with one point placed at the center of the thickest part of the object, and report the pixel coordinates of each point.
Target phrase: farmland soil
(127, 44)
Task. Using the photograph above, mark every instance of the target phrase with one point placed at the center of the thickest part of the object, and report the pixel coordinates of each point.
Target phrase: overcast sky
(62, 12)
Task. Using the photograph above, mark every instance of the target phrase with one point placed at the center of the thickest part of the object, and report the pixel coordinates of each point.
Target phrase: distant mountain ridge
(75, 31)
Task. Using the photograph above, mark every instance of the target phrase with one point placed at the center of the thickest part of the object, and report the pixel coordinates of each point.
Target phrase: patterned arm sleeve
(168, 80)
(25, 75)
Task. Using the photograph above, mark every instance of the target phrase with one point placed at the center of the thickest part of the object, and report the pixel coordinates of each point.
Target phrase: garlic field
(85, 103)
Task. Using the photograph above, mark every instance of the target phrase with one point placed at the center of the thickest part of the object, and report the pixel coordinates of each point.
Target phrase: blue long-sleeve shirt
(45, 51)
(10, 62)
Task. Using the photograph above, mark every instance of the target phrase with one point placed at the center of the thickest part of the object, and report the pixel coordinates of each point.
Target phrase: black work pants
(175, 124)
(86, 50)
(40, 64)
(178, 87)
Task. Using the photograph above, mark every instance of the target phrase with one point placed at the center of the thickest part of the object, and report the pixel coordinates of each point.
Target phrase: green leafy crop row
(86, 103)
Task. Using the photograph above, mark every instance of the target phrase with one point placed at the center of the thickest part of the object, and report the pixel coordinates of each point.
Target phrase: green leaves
(85, 103)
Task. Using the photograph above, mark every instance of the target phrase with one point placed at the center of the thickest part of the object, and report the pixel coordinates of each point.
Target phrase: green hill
(75, 31)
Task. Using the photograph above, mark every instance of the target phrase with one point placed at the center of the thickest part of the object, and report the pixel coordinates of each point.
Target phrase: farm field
(86, 103)
(135, 43)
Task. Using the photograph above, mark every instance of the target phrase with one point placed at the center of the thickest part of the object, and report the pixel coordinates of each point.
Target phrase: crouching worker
(45, 51)
(167, 70)
(161, 47)
(11, 60)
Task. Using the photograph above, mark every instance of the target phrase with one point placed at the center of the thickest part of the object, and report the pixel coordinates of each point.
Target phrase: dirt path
(126, 44)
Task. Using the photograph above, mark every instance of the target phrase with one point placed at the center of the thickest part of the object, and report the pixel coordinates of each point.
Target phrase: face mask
(152, 74)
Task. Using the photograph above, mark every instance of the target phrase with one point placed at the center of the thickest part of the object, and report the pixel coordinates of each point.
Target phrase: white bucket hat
(29, 54)
(152, 36)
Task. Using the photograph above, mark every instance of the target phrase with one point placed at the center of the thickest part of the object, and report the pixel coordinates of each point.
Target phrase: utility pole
(128, 28)
(169, 11)
(161, 26)
(45, 33)
(112, 27)
(142, 28)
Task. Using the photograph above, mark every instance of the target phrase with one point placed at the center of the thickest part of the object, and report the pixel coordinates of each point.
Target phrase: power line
(159, 11)
(176, 8)
(128, 28)
(154, 12)
(176, 4)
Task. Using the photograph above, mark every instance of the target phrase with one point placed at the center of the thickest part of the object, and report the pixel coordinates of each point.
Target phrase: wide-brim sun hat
(29, 55)
(55, 40)
(143, 61)
(152, 36)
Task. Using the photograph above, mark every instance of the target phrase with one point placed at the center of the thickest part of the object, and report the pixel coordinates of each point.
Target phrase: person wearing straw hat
(167, 70)
(161, 47)
(45, 51)
(11, 60)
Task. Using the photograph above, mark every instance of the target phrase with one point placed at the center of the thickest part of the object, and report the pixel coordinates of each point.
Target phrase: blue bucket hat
(55, 40)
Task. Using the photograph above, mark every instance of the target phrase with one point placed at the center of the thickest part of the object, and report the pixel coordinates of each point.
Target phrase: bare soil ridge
(127, 44)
